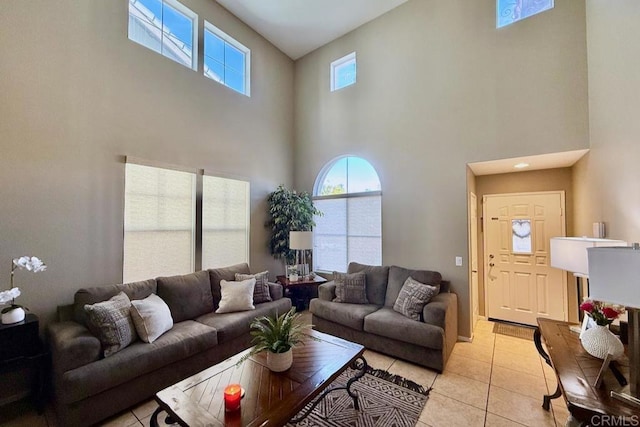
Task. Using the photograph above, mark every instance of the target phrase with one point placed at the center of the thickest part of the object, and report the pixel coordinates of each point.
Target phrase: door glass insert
(521, 234)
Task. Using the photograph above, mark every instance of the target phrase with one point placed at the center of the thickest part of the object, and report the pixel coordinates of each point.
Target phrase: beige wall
(523, 182)
(77, 96)
(439, 87)
(607, 181)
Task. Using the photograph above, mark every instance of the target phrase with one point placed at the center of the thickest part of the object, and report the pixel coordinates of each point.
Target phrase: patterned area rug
(513, 331)
(385, 400)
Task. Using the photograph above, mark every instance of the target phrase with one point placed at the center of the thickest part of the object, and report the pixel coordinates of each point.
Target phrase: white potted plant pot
(279, 362)
(598, 341)
(13, 316)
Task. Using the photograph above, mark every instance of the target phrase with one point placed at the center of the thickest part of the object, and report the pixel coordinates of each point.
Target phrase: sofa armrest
(276, 291)
(72, 346)
(327, 291)
(442, 311)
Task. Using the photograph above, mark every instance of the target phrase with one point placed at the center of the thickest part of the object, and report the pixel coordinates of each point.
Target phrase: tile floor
(496, 381)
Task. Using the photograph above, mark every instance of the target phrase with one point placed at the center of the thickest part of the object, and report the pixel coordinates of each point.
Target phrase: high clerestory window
(510, 11)
(177, 221)
(167, 27)
(343, 72)
(226, 60)
(348, 193)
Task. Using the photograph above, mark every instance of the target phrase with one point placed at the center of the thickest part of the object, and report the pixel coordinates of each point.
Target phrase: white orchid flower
(30, 263)
(9, 296)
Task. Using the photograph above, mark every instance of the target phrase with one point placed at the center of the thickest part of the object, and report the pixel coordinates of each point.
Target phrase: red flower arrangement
(602, 313)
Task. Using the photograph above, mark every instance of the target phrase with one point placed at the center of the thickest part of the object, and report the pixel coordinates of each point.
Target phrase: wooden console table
(576, 371)
(301, 291)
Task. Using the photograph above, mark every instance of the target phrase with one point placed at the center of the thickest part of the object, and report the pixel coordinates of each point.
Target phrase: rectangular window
(159, 222)
(510, 11)
(225, 222)
(226, 60)
(343, 72)
(160, 226)
(167, 27)
(350, 229)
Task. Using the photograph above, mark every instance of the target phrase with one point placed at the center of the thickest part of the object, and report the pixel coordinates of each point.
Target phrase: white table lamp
(301, 241)
(614, 275)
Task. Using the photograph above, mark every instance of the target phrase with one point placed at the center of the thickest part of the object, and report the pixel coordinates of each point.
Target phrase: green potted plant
(277, 336)
(289, 211)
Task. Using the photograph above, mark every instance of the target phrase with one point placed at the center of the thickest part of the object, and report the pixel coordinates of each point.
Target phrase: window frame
(335, 65)
(208, 26)
(188, 13)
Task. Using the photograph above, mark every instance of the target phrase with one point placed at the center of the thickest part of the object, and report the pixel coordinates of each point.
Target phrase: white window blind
(349, 230)
(159, 222)
(225, 222)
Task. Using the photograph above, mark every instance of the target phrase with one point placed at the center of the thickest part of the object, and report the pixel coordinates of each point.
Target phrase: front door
(520, 283)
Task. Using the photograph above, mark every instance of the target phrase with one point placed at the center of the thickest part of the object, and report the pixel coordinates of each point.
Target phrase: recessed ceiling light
(521, 165)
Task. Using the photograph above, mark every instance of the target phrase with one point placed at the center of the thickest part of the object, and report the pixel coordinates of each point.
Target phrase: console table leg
(547, 398)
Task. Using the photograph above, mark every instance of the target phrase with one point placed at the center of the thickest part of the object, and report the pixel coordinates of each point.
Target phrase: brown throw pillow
(413, 297)
(351, 288)
(110, 321)
(261, 290)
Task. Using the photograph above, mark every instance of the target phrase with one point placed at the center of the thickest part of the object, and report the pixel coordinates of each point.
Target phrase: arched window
(347, 192)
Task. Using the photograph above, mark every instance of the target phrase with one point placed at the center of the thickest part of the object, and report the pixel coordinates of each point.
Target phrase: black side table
(23, 362)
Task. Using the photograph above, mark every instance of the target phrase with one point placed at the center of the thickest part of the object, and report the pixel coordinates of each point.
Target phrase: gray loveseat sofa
(88, 388)
(377, 326)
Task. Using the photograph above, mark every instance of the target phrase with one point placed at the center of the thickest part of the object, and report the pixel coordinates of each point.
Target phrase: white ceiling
(544, 161)
(297, 27)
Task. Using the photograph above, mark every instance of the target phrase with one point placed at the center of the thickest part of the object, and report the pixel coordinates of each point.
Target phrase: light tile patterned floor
(496, 381)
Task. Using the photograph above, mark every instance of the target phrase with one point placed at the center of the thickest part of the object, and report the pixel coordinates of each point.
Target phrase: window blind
(159, 223)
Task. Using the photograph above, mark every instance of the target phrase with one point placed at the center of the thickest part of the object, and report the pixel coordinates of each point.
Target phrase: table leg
(362, 369)
(546, 399)
(154, 418)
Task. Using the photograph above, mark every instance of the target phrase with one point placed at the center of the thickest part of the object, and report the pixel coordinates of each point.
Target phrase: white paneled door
(520, 283)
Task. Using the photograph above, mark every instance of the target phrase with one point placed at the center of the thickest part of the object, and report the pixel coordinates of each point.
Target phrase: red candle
(232, 396)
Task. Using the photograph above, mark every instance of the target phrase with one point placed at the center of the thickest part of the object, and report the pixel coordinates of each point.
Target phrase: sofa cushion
(261, 289)
(233, 325)
(151, 316)
(398, 275)
(134, 290)
(350, 288)
(225, 273)
(110, 321)
(377, 278)
(183, 340)
(188, 296)
(349, 315)
(389, 323)
(413, 297)
(236, 296)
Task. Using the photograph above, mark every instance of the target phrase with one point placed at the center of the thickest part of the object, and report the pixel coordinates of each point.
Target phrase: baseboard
(465, 339)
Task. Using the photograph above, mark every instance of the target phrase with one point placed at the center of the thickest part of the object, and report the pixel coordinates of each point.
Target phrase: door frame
(474, 293)
(485, 261)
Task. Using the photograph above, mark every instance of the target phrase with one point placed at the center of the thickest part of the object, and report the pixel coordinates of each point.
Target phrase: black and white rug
(385, 400)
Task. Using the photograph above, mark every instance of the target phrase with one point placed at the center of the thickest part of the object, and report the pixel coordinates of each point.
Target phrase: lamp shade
(570, 253)
(614, 275)
(300, 240)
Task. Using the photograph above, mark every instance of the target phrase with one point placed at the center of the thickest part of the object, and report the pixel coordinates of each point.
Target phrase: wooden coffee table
(271, 399)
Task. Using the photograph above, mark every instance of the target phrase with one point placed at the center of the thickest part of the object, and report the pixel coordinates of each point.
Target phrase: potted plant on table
(14, 312)
(598, 340)
(277, 336)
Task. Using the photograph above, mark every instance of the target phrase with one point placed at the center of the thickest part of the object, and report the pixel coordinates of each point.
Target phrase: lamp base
(626, 398)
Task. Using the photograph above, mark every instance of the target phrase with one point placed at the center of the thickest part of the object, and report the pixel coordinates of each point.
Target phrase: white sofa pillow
(236, 296)
(152, 317)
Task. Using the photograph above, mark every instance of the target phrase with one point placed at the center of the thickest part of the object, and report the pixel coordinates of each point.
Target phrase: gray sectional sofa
(377, 326)
(88, 388)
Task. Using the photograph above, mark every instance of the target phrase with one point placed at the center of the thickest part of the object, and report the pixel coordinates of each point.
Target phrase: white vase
(278, 362)
(13, 316)
(598, 341)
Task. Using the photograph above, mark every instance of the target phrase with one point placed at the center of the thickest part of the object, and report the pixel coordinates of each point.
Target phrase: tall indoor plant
(289, 211)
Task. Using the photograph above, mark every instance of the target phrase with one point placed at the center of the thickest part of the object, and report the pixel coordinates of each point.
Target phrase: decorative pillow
(236, 296)
(413, 297)
(111, 323)
(261, 290)
(152, 317)
(351, 288)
